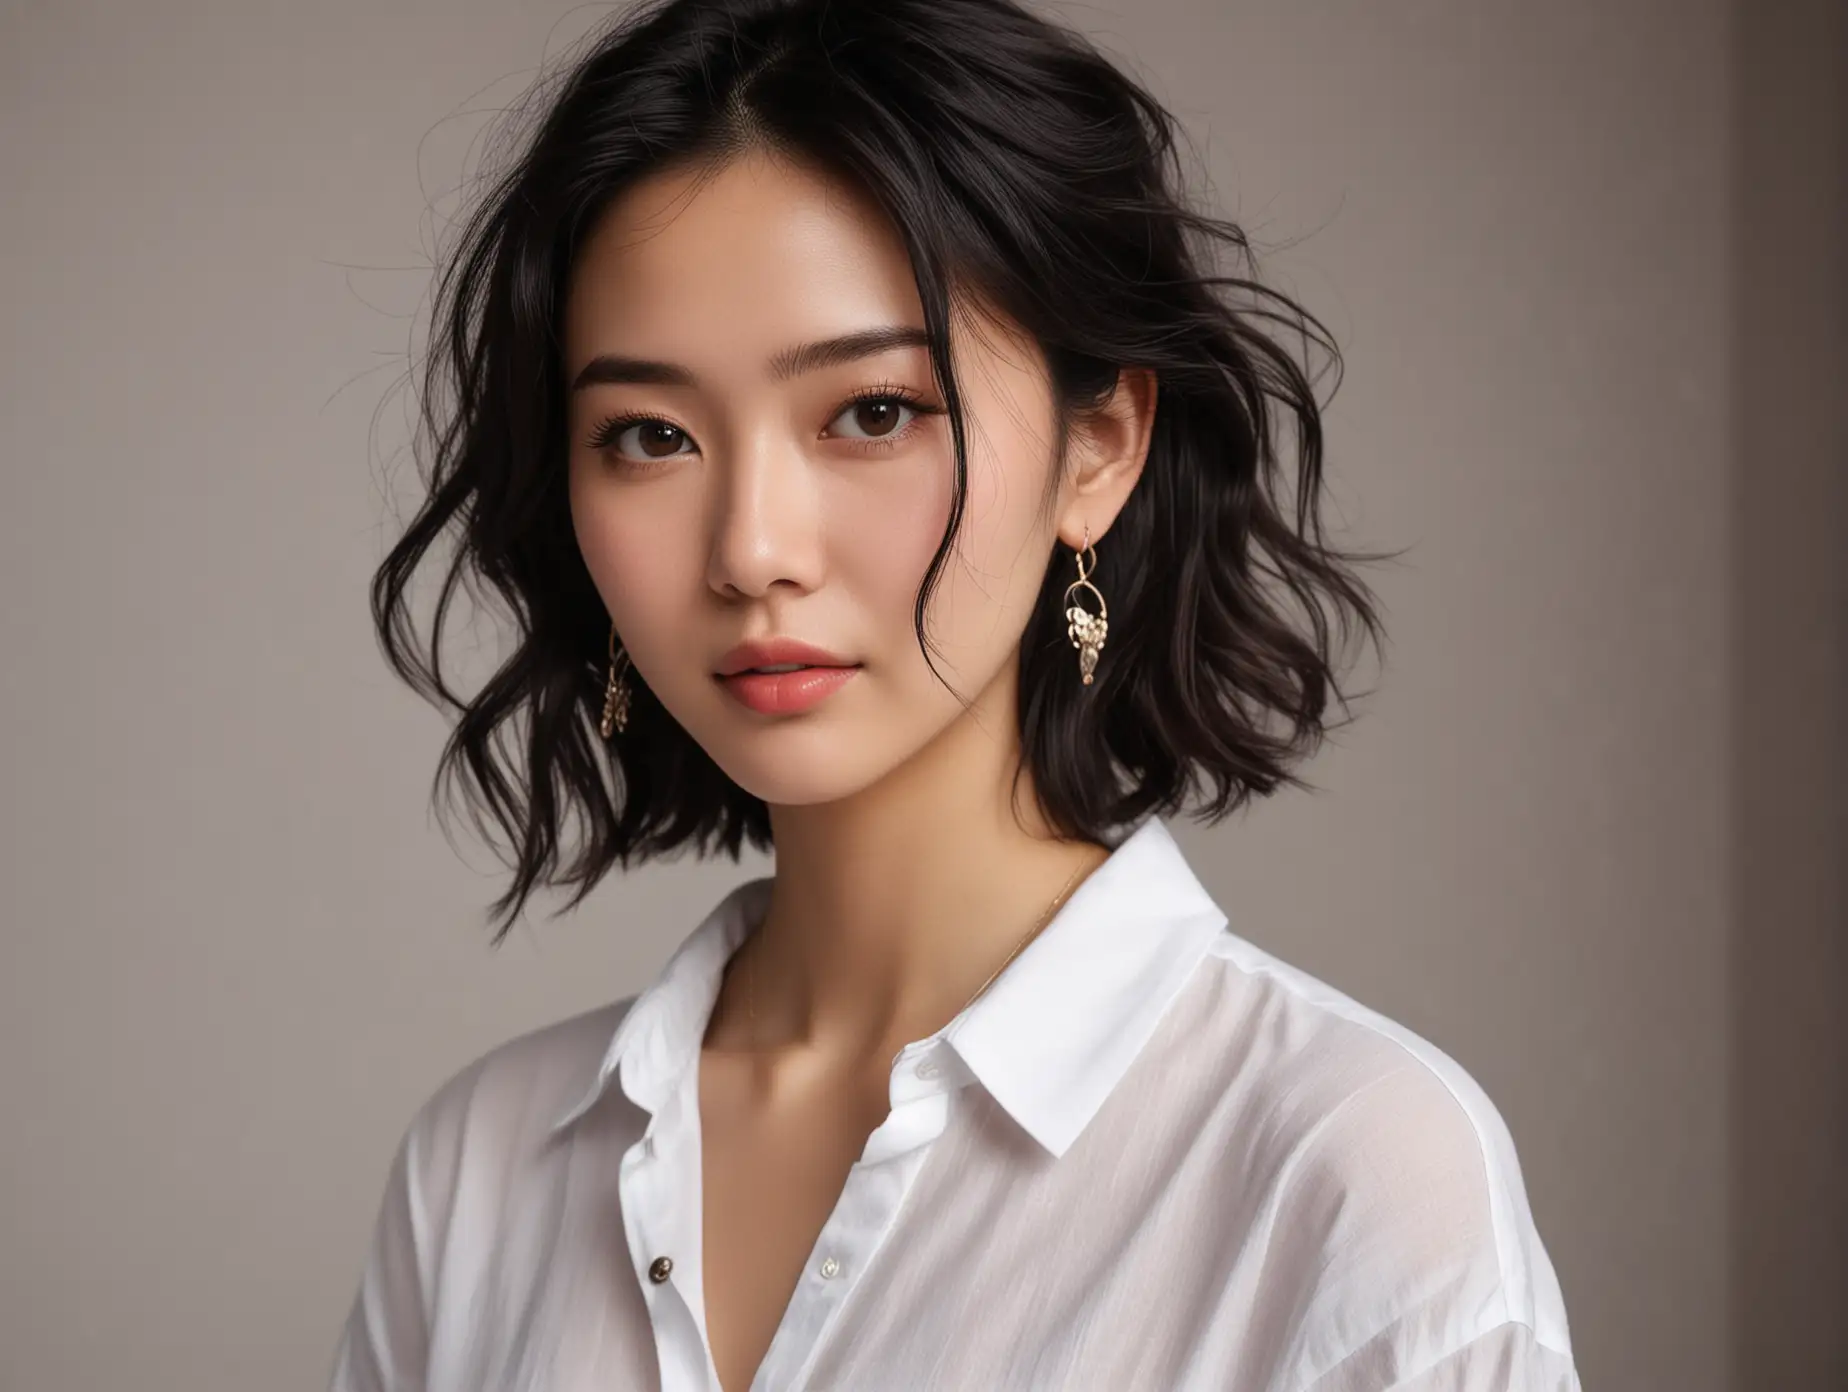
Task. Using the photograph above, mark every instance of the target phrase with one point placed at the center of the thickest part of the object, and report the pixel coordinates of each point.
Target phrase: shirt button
(659, 1269)
(930, 1068)
(830, 1268)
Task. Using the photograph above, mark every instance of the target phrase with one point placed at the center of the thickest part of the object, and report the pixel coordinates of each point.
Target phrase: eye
(875, 417)
(641, 438)
(880, 416)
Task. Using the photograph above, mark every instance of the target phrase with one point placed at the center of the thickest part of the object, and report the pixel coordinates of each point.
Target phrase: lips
(804, 675)
(778, 652)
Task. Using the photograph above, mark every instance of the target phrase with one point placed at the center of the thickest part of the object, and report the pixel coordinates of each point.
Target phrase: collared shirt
(1149, 1156)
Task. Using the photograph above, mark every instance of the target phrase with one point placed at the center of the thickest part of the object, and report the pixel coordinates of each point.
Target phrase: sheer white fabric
(1151, 1156)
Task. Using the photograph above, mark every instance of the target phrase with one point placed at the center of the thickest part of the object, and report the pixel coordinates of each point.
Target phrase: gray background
(1586, 260)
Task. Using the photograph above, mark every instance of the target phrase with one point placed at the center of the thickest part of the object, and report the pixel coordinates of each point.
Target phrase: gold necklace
(750, 979)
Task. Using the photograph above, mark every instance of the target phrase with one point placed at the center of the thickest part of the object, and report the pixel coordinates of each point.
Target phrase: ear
(1109, 445)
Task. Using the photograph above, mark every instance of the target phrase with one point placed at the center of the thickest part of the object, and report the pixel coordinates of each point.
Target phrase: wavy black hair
(1018, 164)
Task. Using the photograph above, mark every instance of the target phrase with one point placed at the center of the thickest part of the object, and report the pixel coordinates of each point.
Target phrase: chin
(790, 777)
(818, 757)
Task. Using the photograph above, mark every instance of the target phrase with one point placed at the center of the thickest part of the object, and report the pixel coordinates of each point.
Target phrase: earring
(615, 692)
(1086, 630)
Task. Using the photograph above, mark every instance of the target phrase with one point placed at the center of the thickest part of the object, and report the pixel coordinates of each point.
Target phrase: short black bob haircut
(1016, 161)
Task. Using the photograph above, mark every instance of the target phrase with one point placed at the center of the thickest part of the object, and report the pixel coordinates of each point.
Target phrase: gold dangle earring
(1085, 629)
(615, 692)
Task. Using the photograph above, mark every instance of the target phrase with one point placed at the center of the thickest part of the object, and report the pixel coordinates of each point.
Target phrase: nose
(766, 518)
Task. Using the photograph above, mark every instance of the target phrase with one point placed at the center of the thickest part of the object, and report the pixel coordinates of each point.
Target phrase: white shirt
(1149, 1156)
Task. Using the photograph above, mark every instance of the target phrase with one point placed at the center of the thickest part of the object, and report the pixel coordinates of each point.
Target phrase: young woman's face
(726, 486)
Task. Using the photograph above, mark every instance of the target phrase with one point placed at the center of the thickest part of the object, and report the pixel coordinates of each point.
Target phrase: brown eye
(876, 417)
(640, 438)
(658, 438)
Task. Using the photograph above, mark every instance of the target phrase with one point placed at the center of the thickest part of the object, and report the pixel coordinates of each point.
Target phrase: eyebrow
(606, 368)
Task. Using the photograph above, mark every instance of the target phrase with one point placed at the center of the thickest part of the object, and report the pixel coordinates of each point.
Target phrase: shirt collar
(1049, 1039)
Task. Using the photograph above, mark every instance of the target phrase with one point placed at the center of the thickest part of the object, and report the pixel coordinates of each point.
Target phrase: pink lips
(786, 693)
(819, 676)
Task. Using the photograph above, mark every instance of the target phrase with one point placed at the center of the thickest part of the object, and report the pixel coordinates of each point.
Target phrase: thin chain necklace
(750, 980)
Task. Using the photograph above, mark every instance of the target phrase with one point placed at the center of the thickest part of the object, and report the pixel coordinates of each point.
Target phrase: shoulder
(481, 1130)
(504, 1102)
(1393, 1177)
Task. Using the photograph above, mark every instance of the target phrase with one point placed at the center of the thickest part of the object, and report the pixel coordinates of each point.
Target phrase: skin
(764, 506)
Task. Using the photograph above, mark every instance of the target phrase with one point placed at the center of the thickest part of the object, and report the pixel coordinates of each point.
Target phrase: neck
(891, 908)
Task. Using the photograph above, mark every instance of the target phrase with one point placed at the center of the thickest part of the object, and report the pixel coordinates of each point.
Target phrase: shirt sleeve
(1432, 1277)
(385, 1343)
(1507, 1358)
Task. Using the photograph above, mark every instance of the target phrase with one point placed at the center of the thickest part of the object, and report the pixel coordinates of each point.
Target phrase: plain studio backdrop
(1586, 262)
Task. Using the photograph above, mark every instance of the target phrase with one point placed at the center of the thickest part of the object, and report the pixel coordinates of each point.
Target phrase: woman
(845, 403)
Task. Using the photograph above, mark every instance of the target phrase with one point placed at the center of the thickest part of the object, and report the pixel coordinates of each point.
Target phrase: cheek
(997, 574)
(882, 535)
(884, 538)
(634, 559)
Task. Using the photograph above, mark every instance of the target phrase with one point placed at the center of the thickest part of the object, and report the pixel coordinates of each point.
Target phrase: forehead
(755, 249)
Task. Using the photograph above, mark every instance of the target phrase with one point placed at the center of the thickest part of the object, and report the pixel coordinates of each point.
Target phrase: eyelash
(608, 431)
